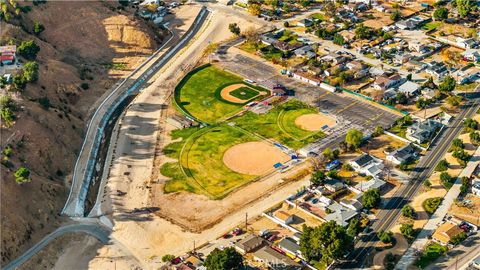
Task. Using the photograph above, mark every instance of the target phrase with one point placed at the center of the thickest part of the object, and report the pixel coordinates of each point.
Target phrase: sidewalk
(422, 239)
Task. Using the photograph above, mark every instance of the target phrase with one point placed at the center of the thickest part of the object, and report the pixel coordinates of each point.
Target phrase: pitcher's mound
(314, 121)
(254, 158)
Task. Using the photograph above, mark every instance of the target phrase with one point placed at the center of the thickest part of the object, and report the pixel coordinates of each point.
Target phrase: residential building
(417, 45)
(446, 232)
(466, 75)
(352, 205)
(306, 77)
(476, 186)
(284, 217)
(333, 185)
(372, 183)
(290, 247)
(305, 23)
(249, 243)
(471, 55)
(305, 51)
(438, 69)
(403, 154)
(409, 88)
(421, 132)
(275, 260)
(342, 216)
(367, 164)
(383, 82)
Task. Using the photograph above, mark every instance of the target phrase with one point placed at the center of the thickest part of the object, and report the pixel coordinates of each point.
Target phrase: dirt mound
(314, 121)
(93, 44)
(255, 158)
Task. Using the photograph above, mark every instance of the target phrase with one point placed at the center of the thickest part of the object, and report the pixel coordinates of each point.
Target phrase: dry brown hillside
(83, 42)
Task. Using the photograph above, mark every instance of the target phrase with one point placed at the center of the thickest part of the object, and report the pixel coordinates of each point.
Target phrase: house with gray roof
(342, 217)
(403, 154)
(421, 132)
(367, 164)
(275, 260)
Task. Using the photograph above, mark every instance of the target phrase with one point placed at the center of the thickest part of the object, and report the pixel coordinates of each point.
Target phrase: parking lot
(349, 112)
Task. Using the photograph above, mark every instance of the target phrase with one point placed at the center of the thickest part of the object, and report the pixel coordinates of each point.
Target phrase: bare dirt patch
(254, 158)
(225, 93)
(314, 121)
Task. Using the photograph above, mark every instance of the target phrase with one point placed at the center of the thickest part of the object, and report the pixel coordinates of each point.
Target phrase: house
(278, 90)
(383, 82)
(368, 165)
(476, 187)
(468, 43)
(180, 121)
(284, 217)
(466, 75)
(370, 184)
(355, 66)
(348, 36)
(249, 244)
(352, 205)
(305, 51)
(417, 45)
(402, 58)
(421, 132)
(290, 247)
(268, 39)
(305, 23)
(409, 88)
(403, 154)
(438, 69)
(341, 216)
(412, 22)
(471, 55)
(8, 54)
(333, 185)
(428, 93)
(306, 77)
(275, 260)
(445, 232)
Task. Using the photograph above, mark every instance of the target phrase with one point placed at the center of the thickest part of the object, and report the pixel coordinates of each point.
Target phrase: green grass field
(200, 168)
(279, 124)
(244, 93)
(431, 253)
(198, 94)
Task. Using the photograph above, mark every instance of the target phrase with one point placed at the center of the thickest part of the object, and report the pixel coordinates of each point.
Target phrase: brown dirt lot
(379, 144)
(314, 121)
(254, 158)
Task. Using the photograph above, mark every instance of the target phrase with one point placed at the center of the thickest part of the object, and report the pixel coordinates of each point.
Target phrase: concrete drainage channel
(94, 169)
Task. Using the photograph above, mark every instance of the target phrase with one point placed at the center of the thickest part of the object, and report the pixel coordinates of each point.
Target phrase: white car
(476, 262)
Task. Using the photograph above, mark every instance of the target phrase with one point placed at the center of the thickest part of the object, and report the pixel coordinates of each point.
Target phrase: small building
(421, 132)
(180, 121)
(409, 88)
(305, 51)
(278, 90)
(8, 54)
(471, 55)
(352, 205)
(466, 75)
(403, 154)
(367, 164)
(333, 185)
(284, 217)
(438, 69)
(384, 82)
(275, 260)
(249, 244)
(476, 187)
(445, 232)
(290, 247)
(342, 216)
(305, 23)
(370, 184)
(307, 77)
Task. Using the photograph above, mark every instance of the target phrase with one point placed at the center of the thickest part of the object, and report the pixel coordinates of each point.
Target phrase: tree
(378, 131)
(395, 15)
(22, 175)
(317, 178)
(38, 28)
(30, 71)
(442, 165)
(457, 145)
(447, 85)
(440, 14)
(254, 9)
(427, 183)
(371, 198)
(123, 2)
(385, 237)
(18, 82)
(463, 7)
(353, 227)
(338, 39)
(168, 258)
(407, 230)
(327, 242)
(475, 138)
(409, 76)
(430, 205)
(333, 174)
(457, 239)
(234, 28)
(454, 100)
(28, 49)
(362, 32)
(465, 184)
(286, 24)
(224, 259)
(401, 98)
(7, 108)
(251, 34)
(354, 138)
(470, 124)
(462, 157)
(407, 211)
(446, 179)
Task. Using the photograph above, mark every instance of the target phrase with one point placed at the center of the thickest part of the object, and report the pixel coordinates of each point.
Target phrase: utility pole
(246, 223)
(193, 246)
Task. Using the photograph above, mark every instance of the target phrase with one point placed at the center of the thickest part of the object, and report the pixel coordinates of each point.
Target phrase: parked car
(237, 232)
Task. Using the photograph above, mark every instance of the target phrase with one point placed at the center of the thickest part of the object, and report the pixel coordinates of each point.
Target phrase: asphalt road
(392, 208)
(87, 158)
(94, 230)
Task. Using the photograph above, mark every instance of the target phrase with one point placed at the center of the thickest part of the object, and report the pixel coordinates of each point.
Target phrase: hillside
(84, 49)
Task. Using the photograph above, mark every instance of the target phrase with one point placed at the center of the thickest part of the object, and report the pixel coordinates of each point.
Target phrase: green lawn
(431, 252)
(279, 124)
(319, 16)
(431, 25)
(244, 93)
(196, 94)
(200, 168)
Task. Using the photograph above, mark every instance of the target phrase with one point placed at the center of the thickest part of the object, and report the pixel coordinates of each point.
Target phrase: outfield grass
(200, 168)
(431, 253)
(279, 124)
(244, 93)
(196, 94)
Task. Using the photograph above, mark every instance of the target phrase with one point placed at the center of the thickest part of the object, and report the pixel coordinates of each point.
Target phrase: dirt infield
(314, 121)
(254, 158)
(225, 93)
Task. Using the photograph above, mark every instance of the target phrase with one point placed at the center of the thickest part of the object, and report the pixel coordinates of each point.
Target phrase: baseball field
(216, 159)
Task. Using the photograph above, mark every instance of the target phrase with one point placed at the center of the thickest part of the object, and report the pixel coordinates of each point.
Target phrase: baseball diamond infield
(253, 158)
(314, 121)
(240, 93)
